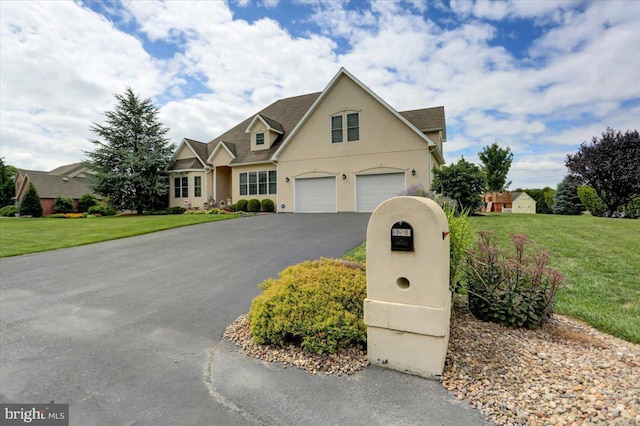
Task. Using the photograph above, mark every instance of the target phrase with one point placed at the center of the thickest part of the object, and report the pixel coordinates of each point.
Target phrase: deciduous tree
(128, 162)
(610, 165)
(496, 162)
(462, 182)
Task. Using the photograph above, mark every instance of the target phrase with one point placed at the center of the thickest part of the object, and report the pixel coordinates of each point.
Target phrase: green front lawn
(600, 258)
(31, 235)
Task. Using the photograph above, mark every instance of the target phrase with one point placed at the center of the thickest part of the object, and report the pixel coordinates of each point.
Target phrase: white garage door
(371, 190)
(316, 195)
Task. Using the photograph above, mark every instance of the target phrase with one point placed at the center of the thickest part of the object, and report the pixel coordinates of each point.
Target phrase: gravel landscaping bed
(563, 373)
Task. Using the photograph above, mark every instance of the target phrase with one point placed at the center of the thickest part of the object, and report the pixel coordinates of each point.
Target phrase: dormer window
(352, 129)
(259, 138)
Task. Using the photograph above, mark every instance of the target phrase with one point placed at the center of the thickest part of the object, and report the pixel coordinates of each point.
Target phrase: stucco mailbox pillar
(408, 304)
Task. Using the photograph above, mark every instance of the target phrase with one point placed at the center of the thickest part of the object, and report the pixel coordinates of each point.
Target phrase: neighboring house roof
(286, 116)
(70, 170)
(51, 185)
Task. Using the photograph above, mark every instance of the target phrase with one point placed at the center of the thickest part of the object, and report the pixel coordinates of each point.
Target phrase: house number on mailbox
(401, 237)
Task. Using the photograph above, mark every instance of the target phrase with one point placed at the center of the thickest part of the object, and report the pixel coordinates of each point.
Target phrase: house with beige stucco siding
(340, 150)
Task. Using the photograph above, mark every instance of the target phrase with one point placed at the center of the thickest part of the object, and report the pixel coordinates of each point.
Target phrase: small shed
(522, 203)
(508, 202)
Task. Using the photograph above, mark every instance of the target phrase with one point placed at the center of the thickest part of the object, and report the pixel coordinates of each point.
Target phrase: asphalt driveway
(123, 330)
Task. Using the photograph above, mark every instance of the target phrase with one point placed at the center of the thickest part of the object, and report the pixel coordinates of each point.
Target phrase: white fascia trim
(259, 117)
(253, 164)
(324, 93)
(174, 172)
(217, 148)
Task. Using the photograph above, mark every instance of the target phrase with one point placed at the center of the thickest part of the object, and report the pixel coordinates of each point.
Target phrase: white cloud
(61, 63)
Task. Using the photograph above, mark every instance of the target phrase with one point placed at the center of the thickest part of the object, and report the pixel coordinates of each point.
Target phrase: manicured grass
(30, 235)
(600, 258)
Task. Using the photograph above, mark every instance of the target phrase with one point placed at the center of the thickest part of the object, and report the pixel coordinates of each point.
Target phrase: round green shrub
(317, 305)
(253, 205)
(8, 211)
(85, 202)
(102, 209)
(63, 205)
(267, 205)
(241, 205)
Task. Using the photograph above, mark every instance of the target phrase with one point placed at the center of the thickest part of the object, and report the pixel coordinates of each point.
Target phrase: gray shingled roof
(427, 119)
(51, 185)
(74, 169)
(272, 123)
(200, 148)
(284, 115)
(285, 112)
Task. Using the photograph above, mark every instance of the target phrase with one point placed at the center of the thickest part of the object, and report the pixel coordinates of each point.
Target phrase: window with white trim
(258, 183)
(259, 138)
(181, 187)
(197, 186)
(352, 129)
(336, 129)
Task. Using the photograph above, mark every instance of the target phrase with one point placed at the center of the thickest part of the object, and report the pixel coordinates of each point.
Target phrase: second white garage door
(316, 195)
(371, 190)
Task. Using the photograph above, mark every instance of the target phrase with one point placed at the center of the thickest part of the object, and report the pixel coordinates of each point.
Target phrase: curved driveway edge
(267, 394)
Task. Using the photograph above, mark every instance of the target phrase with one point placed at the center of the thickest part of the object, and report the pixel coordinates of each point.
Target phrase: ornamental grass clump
(512, 288)
(316, 305)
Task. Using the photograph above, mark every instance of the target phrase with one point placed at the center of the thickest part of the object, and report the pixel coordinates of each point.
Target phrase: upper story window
(181, 187)
(259, 138)
(336, 129)
(352, 129)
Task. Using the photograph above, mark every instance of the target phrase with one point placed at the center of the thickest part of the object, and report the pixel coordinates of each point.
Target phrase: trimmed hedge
(317, 305)
(241, 205)
(253, 205)
(267, 205)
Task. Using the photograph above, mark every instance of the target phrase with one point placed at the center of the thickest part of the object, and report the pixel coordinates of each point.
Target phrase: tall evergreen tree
(566, 198)
(128, 162)
(611, 166)
(7, 183)
(462, 181)
(496, 162)
(30, 204)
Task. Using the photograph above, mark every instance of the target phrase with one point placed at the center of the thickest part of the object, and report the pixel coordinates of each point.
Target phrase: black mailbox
(401, 237)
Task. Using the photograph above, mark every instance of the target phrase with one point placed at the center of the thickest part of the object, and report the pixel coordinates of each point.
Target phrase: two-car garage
(319, 194)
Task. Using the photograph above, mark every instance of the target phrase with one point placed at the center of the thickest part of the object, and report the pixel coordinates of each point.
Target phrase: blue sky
(537, 76)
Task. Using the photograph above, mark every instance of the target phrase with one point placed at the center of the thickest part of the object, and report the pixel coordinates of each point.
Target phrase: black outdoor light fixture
(286, 179)
(413, 172)
(344, 176)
